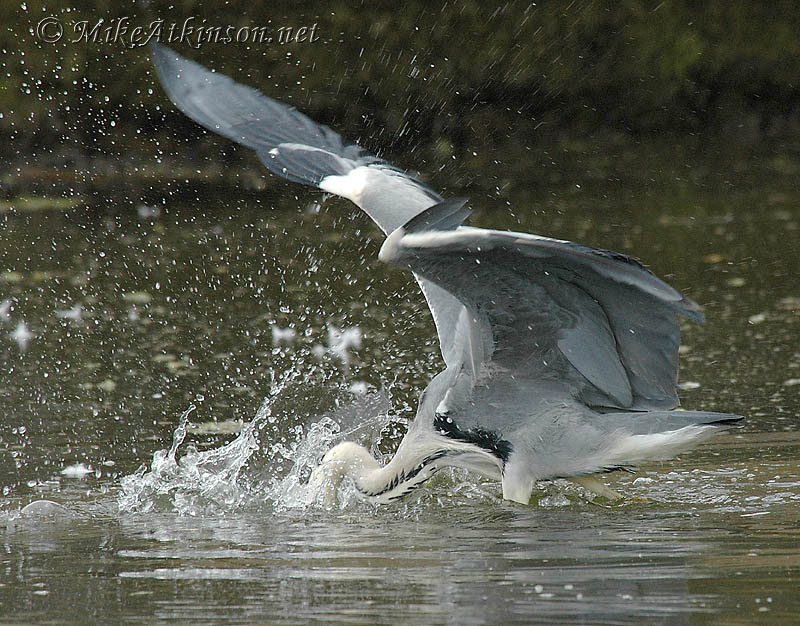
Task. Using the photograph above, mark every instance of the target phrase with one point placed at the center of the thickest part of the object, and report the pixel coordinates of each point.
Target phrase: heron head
(344, 459)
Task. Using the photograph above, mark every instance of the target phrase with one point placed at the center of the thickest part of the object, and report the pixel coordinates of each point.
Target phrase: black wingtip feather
(728, 420)
(445, 215)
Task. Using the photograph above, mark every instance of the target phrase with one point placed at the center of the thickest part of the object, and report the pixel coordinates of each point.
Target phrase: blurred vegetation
(433, 79)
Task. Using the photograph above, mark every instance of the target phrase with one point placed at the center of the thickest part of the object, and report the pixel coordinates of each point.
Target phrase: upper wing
(295, 147)
(594, 320)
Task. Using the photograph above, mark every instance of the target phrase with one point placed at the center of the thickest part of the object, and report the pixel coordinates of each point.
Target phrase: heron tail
(635, 438)
(656, 422)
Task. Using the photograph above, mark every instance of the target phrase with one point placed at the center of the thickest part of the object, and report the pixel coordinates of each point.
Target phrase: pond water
(138, 340)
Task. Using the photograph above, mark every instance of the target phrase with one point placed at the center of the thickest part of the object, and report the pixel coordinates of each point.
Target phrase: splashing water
(245, 473)
(196, 482)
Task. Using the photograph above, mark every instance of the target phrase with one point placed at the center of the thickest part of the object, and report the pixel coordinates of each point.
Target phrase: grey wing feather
(597, 321)
(446, 215)
(295, 147)
(246, 116)
(289, 143)
(597, 360)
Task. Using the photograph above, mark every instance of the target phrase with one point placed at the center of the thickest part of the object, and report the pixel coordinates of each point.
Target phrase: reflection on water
(128, 321)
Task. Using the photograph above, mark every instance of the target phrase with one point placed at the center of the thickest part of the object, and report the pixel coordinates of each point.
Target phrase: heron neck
(395, 479)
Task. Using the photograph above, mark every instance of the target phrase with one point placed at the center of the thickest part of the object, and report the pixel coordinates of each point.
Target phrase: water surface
(118, 321)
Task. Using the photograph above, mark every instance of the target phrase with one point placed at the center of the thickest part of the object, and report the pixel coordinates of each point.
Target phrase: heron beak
(324, 483)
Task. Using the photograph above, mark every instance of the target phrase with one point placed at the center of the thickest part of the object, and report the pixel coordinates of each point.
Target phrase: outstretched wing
(593, 321)
(295, 147)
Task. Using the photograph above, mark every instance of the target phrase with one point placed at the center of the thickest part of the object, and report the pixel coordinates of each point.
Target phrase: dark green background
(425, 80)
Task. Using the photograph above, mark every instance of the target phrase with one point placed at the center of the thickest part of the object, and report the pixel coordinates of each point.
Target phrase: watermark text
(192, 31)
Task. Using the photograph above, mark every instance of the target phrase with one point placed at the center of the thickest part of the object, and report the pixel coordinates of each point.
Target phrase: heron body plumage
(560, 359)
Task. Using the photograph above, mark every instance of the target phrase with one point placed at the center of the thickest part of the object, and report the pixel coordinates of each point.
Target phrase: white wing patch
(479, 239)
(390, 250)
(349, 186)
(445, 238)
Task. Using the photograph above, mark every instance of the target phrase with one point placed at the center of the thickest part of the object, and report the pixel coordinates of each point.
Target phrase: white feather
(349, 186)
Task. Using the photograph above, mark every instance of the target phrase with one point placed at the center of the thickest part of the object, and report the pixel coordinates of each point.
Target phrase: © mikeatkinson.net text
(192, 31)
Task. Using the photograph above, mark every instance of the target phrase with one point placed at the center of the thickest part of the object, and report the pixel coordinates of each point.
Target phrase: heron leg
(517, 484)
(593, 484)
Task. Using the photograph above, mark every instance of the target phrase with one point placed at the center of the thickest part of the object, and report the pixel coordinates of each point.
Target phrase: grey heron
(560, 359)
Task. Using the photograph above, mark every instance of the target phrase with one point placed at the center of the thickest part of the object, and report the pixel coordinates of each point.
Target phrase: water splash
(197, 482)
(249, 472)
